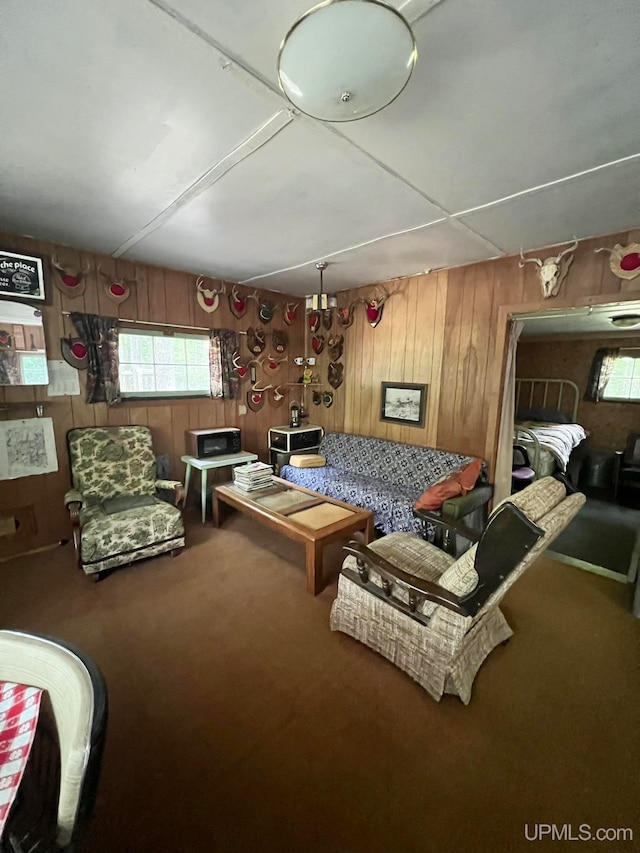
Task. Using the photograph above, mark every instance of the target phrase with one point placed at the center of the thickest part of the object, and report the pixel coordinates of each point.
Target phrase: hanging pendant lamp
(346, 59)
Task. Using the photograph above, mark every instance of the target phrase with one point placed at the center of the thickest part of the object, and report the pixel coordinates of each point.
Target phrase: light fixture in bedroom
(625, 321)
(346, 59)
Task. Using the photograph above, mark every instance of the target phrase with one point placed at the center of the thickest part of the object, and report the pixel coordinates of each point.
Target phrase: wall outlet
(242, 410)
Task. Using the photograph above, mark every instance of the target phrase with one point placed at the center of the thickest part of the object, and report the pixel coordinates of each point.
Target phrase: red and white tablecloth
(19, 709)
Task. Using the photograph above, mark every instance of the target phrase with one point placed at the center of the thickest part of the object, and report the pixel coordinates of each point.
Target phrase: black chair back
(504, 543)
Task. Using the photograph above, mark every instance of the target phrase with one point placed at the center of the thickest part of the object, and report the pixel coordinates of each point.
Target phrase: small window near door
(624, 383)
(153, 364)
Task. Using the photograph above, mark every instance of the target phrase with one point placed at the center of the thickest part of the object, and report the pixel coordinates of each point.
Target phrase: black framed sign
(21, 277)
(403, 403)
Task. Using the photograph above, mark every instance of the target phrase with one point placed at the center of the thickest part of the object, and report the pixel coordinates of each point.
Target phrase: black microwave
(204, 443)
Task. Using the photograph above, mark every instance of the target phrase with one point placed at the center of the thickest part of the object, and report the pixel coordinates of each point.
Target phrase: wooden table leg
(314, 567)
(203, 493)
(187, 480)
(369, 531)
(215, 508)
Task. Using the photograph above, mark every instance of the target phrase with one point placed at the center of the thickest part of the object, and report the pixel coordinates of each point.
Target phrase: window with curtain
(154, 364)
(624, 383)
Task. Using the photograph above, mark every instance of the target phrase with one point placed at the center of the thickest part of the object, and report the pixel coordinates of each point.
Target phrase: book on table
(255, 475)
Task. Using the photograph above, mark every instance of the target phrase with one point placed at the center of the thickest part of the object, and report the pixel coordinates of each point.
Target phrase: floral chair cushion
(109, 461)
(114, 481)
(118, 535)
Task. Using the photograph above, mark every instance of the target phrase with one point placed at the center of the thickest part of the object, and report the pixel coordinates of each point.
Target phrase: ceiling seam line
(197, 31)
(487, 242)
(212, 175)
(549, 184)
(420, 15)
(348, 249)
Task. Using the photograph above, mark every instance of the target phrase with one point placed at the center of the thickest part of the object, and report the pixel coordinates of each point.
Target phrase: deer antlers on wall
(239, 302)
(551, 271)
(117, 289)
(374, 305)
(69, 280)
(624, 261)
(208, 298)
(289, 311)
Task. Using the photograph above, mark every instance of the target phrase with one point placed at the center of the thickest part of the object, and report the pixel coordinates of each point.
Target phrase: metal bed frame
(539, 395)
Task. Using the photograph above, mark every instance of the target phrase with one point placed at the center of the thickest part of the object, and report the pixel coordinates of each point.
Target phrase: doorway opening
(555, 350)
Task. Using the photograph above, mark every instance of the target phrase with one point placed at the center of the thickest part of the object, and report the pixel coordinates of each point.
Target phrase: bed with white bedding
(545, 425)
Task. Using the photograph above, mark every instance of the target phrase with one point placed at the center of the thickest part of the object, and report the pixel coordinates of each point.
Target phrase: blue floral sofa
(384, 476)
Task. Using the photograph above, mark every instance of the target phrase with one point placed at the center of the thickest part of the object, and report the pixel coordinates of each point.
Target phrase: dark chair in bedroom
(521, 472)
(627, 474)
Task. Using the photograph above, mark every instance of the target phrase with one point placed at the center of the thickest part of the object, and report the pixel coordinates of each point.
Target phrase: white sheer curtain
(504, 460)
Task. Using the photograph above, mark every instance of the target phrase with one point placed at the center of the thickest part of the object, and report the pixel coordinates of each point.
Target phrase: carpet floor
(240, 722)
(602, 534)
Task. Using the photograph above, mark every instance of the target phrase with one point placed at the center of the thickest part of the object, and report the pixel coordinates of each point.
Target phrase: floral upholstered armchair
(435, 616)
(116, 515)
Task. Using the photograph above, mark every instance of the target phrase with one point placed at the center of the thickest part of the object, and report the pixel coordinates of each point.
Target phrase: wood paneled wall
(160, 295)
(448, 329)
(607, 424)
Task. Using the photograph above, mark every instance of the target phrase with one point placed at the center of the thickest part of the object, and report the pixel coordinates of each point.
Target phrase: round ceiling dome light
(346, 59)
(626, 321)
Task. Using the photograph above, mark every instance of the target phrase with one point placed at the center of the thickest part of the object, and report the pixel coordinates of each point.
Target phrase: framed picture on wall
(21, 277)
(402, 403)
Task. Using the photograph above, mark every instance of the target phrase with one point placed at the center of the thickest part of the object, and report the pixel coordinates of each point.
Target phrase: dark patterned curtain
(100, 336)
(601, 370)
(224, 377)
(9, 370)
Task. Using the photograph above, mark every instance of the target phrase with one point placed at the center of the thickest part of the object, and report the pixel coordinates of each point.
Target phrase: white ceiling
(154, 130)
(580, 322)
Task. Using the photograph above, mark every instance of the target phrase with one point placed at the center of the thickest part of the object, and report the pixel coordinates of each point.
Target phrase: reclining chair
(435, 616)
(57, 793)
(116, 516)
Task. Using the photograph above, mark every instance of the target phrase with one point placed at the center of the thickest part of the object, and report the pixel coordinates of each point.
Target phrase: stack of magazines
(255, 475)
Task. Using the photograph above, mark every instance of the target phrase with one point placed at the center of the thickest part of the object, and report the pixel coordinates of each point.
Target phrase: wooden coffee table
(299, 514)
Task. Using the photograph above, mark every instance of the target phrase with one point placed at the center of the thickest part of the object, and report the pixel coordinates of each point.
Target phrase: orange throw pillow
(457, 483)
(437, 494)
(468, 475)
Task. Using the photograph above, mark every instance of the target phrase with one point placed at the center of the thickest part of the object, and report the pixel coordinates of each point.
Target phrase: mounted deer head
(69, 280)
(624, 261)
(243, 365)
(208, 300)
(335, 345)
(265, 311)
(272, 364)
(280, 341)
(279, 394)
(116, 289)
(289, 311)
(344, 316)
(239, 302)
(256, 340)
(551, 271)
(255, 396)
(374, 305)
